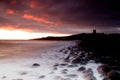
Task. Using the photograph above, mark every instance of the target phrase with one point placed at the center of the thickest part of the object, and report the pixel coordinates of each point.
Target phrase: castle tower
(94, 31)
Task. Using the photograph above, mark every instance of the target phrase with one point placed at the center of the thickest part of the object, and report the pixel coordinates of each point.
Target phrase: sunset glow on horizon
(22, 35)
(41, 18)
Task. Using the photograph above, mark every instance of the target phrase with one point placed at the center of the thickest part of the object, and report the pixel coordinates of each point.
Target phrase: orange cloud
(34, 4)
(9, 11)
(38, 3)
(43, 20)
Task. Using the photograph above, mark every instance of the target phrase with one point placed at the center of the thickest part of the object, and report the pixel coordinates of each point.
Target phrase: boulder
(56, 65)
(64, 71)
(4, 77)
(73, 65)
(42, 76)
(81, 68)
(55, 68)
(113, 75)
(104, 69)
(88, 73)
(23, 73)
(36, 65)
(63, 64)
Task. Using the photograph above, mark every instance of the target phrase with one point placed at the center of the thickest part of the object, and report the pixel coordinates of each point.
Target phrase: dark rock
(63, 64)
(76, 61)
(81, 69)
(56, 65)
(88, 72)
(104, 69)
(73, 65)
(67, 59)
(113, 75)
(79, 61)
(65, 70)
(106, 79)
(89, 75)
(23, 73)
(36, 65)
(55, 68)
(4, 77)
(42, 76)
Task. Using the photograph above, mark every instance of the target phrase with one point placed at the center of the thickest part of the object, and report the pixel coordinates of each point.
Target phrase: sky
(24, 19)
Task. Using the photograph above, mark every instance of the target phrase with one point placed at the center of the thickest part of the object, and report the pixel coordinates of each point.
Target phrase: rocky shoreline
(69, 62)
(78, 54)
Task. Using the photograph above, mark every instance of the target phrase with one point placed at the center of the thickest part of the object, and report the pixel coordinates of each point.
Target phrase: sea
(17, 59)
(24, 49)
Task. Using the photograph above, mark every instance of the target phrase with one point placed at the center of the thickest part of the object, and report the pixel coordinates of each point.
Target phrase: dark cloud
(62, 16)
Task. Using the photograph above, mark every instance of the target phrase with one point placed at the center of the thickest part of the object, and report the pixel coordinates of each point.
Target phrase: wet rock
(63, 64)
(36, 65)
(4, 77)
(113, 75)
(73, 65)
(23, 73)
(56, 65)
(76, 61)
(81, 69)
(55, 68)
(42, 76)
(81, 58)
(104, 69)
(106, 79)
(64, 71)
(89, 75)
(88, 72)
(72, 75)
